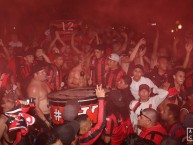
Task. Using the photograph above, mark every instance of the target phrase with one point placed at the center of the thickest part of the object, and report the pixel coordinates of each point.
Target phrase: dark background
(30, 17)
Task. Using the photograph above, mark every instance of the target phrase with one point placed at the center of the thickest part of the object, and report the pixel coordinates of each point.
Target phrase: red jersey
(117, 129)
(177, 131)
(174, 94)
(55, 78)
(148, 133)
(90, 137)
(113, 77)
(97, 69)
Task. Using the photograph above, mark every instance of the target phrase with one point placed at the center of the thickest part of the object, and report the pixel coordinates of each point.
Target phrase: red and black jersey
(176, 130)
(174, 94)
(154, 133)
(90, 137)
(55, 77)
(97, 68)
(156, 78)
(117, 129)
(25, 71)
(113, 77)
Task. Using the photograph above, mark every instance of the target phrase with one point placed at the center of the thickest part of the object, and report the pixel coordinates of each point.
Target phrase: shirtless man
(39, 90)
(77, 76)
(8, 103)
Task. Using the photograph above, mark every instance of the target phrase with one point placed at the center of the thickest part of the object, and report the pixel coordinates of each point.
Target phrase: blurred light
(14, 28)
(113, 28)
(172, 31)
(153, 24)
(179, 26)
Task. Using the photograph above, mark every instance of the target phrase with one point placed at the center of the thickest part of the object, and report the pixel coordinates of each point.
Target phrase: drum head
(73, 94)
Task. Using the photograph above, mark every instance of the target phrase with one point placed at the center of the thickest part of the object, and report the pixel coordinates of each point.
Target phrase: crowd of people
(150, 88)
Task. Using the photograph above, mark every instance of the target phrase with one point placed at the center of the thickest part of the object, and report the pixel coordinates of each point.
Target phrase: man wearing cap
(138, 79)
(97, 67)
(39, 90)
(115, 72)
(145, 101)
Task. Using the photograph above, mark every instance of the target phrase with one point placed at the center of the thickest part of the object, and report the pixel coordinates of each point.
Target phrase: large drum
(85, 96)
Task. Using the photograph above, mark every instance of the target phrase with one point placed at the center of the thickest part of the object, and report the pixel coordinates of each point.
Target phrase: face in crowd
(137, 74)
(144, 94)
(112, 64)
(59, 61)
(163, 64)
(41, 75)
(143, 119)
(85, 126)
(179, 77)
(98, 53)
(29, 59)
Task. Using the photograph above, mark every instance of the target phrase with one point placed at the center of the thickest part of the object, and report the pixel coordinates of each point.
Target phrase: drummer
(77, 76)
(39, 90)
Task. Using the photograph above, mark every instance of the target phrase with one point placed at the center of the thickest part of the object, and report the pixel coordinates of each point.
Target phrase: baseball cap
(139, 66)
(144, 86)
(114, 57)
(116, 97)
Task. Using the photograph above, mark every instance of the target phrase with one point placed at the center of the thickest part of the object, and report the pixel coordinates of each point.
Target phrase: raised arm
(141, 56)
(124, 45)
(188, 47)
(5, 49)
(174, 48)
(155, 48)
(73, 45)
(133, 54)
(95, 132)
(59, 39)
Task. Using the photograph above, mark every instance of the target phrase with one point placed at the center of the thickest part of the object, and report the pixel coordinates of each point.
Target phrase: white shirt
(135, 86)
(153, 103)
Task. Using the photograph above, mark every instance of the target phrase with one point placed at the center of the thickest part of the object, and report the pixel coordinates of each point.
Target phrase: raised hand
(189, 46)
(142, 52)
(100, 92)
(142, 41)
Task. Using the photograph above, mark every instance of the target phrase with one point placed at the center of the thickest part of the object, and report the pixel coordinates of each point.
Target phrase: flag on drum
(85, 97)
